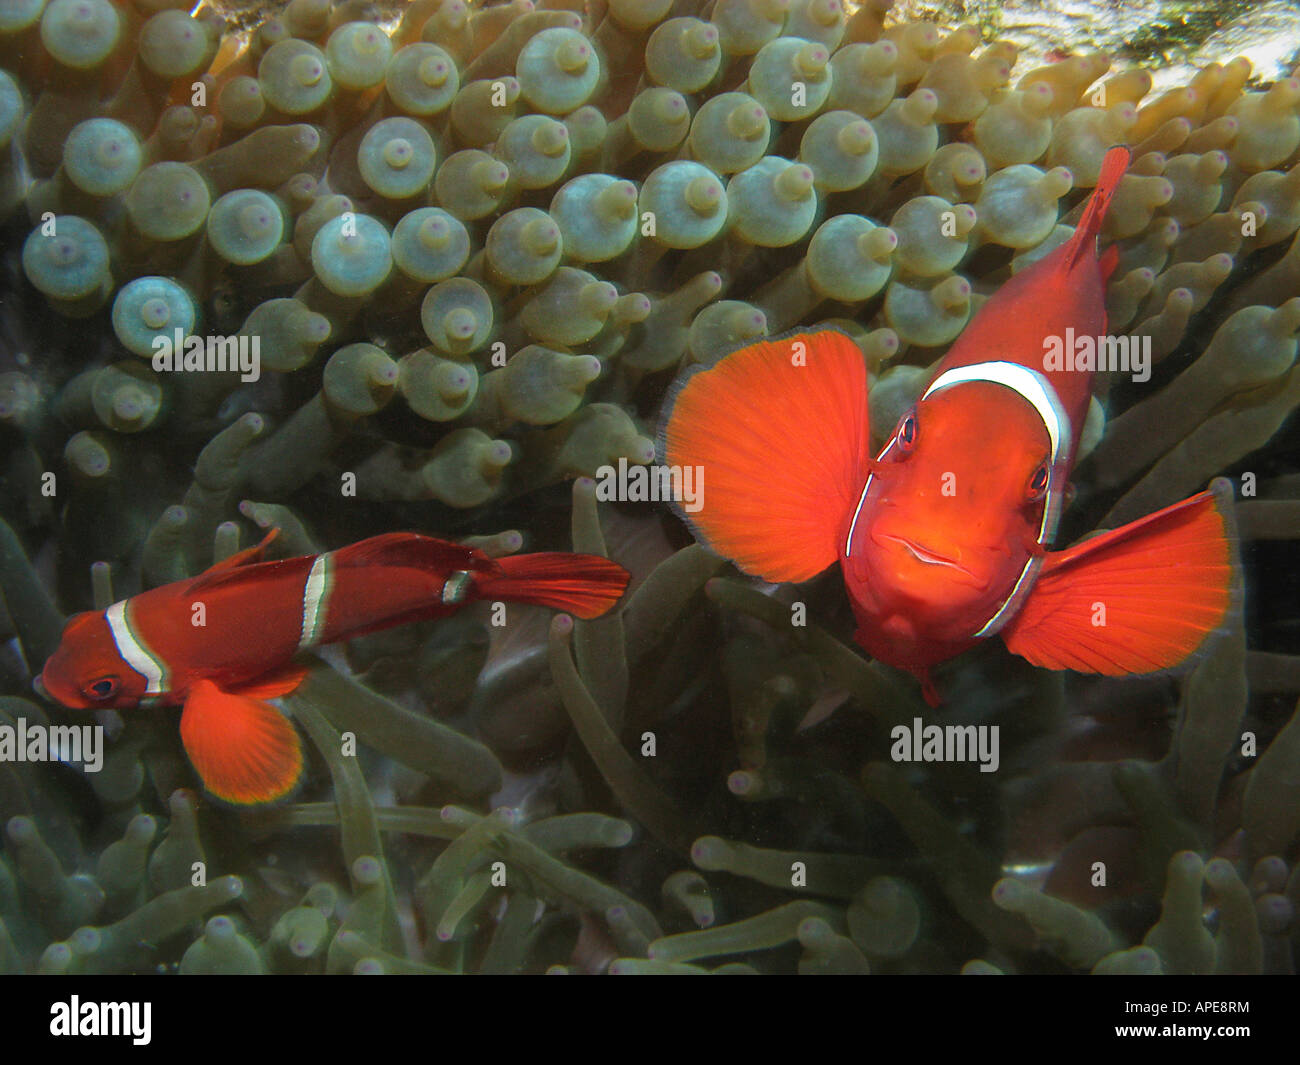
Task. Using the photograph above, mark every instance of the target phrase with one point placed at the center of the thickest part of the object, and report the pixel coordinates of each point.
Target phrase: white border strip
(315, 600)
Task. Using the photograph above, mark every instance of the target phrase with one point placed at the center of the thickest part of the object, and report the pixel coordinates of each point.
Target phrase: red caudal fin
(244, 750)
(778, 434)
(1136, 600)
(584, 585)
(1084, 240)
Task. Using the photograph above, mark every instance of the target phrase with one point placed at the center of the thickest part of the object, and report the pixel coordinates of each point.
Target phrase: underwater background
(690, 783)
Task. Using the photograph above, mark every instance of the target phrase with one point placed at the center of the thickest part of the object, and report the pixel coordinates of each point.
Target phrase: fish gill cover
(284, 266)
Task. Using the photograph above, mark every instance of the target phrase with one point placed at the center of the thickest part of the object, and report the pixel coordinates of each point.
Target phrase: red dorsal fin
(408, 549)
(245, 750)
(1084, 240)
(246, 557)
(584, 585)
(779, 432)
(1139, 599)
(236, 567)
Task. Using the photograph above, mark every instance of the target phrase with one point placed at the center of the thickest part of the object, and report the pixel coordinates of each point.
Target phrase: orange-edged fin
(274, 685)
(584, 585)
(1139, 599)
(777, 435)
(1084, 240)
(245, 750)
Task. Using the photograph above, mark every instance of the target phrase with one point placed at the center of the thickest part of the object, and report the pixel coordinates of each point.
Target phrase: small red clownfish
(943, 537)
(257, 615)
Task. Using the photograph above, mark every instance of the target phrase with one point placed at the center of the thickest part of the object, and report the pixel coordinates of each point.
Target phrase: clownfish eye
(907, 433)
(102, 688)
(1038, 483)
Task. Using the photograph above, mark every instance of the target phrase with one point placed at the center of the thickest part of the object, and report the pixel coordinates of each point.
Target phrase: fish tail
(1113, 168)
(583, 585)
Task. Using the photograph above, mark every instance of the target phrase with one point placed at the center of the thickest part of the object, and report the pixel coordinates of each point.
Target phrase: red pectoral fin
(778, 431)
(1136, 600)
(274, 685)
(245, 750)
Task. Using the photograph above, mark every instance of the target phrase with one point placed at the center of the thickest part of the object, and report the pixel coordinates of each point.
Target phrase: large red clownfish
(943, 537)
(257, 615)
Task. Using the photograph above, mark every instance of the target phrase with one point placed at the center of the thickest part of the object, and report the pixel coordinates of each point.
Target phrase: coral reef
(472, 248)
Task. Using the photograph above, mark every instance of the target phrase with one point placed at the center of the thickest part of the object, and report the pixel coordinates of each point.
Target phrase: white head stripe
(133, 651)
(1024, 583)
(1028, 383)
(853, 525)
(315, 600)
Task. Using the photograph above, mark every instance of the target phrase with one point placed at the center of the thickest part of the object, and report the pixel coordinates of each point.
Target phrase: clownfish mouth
(930, 558)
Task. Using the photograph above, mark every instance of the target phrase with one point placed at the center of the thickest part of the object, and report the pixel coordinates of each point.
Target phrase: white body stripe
(133, 651)
(315, 600)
